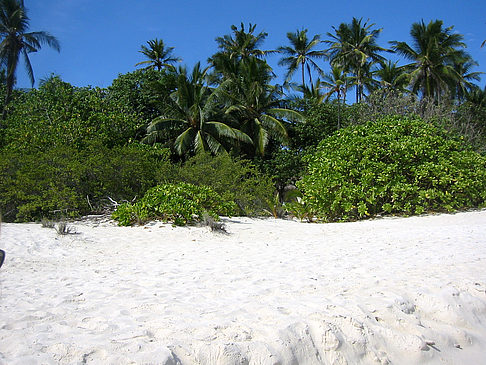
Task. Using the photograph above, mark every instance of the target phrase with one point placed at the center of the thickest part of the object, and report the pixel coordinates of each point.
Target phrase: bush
(235, 180)
(321, 120)
(65, 182)
(465, 119)
(180, 203)
(60, 114)
(396, 165)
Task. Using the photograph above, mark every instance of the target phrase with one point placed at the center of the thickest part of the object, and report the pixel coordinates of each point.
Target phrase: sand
(387, 291)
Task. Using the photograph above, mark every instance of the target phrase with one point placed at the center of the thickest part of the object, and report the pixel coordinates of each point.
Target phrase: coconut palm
(17, 42)
(314, 91)
(235, 48)
(476, 96)
(465, 78)
(354, 47)
(338, 82)
(242, 44)
(392, 77)
(435, 53)
(196, 115)
(158, 54)
(301, 53)
(254, 105)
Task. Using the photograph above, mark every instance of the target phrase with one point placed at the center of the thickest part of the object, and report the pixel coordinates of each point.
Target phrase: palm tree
(314, 91)
(301, 53)
(158, 55)
(235, 48)
(255, 106)
(242, 44)
(465, 77)
(195, 112)
(392, 77)
(16, 42)
(476, 96)
(353, 47)
(435, 54)
(338, 82)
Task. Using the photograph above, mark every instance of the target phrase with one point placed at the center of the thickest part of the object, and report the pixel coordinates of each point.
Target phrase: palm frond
(184, 141)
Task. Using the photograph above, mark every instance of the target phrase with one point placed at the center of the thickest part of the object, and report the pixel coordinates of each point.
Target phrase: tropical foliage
(392, 166)
(60, 114)
(255, 106)
(196, 115)
(180, 204)
(301, 54)
(17, 42)
(158, 55)
(438, 59)
(354, 47)
(167, 142)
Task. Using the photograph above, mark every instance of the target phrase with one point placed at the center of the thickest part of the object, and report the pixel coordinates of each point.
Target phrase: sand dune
(389, 291)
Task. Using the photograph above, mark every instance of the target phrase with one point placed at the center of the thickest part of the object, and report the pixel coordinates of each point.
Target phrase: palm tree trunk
(339, 111)
(8, 95)
(303, 75)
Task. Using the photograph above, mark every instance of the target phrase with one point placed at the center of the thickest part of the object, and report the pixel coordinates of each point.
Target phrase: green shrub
(396, 165)
(321, 120)
(65, 182)
(180, 203)
(60, 114)
(235, 180)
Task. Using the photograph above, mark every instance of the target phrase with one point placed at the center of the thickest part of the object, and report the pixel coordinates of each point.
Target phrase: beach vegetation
(413, 139)
(64, 181)
(64, 229)
(180, 204)
(235, 179)
(213, 224)
(17, 42)
(47, 223)
(158, 55)
(58, 114)
(396, 165)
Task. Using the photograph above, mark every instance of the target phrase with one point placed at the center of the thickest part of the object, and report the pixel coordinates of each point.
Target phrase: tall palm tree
(17, 42)
(158, 55)
(301, 53)
(476, 96)
(337, 81)
(354, 47)
(392, 77)
(465, 78)
(240, 46)
(254, 105)
(435, 53)
(196, 115)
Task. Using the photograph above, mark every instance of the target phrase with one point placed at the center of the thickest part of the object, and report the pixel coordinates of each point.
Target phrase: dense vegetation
(171, 143)
(178, 203)
(394, 165)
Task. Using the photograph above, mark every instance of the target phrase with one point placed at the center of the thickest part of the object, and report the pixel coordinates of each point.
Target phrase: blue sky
(101, 38)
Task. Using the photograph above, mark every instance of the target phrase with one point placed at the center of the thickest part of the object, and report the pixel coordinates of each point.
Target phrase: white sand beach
(386, 291)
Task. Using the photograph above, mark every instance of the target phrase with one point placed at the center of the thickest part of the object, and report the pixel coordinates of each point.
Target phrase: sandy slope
(398, 291)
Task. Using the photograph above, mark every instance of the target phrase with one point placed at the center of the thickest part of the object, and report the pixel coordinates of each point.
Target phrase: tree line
(89, 143)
